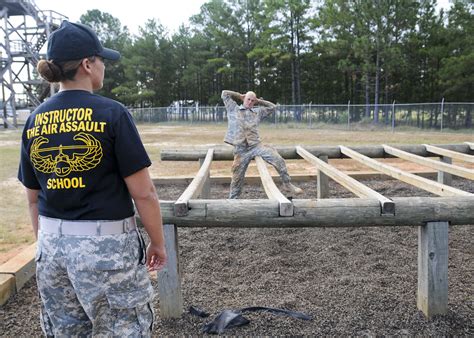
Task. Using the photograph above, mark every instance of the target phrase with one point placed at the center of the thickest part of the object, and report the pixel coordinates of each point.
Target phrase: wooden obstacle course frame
(431, 214)
(16, 272)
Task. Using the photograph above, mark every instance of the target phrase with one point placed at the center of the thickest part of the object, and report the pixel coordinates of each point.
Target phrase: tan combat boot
(292, 189)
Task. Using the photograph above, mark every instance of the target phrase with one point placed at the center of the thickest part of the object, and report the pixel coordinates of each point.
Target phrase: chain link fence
(419, 115)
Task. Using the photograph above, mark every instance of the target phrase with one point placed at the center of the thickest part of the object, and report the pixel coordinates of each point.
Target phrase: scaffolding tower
(25, 29)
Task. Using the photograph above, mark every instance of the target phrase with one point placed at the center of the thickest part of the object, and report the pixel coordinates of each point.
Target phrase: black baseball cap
(74, 41)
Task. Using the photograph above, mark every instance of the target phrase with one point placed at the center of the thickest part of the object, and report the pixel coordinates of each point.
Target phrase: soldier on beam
(242, 133)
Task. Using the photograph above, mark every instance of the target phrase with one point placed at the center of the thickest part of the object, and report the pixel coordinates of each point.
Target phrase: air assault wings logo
(63, 164)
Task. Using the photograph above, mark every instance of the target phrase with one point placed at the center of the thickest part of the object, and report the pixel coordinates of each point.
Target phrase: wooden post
(432, 298)
(169, 278)
(206, 189)
(444, 177)
(323, 182)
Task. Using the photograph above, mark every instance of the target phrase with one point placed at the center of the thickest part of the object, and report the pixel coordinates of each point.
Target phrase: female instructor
(83, 165)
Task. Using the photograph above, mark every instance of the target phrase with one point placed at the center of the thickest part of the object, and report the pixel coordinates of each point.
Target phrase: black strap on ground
(233, 318)
(225, 320)
(194, 310)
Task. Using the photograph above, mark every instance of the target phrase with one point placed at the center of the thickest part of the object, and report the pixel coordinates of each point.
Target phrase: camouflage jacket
(242, 122)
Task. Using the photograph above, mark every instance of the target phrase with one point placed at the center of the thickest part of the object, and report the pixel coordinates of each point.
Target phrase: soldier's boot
(292, 189)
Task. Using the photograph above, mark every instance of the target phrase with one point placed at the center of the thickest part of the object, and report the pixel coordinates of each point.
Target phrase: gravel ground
(352, 281)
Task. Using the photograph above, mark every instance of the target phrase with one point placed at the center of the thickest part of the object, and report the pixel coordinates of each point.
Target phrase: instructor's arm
(143, 192)
(32, 197)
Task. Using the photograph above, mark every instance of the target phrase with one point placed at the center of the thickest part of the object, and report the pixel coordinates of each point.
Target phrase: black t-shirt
(77, 148)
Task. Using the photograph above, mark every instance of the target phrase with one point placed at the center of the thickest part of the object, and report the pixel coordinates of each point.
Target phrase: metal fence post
(442, 113)
(310, 116)
(349, 115)
(393, 116)
(276, 113)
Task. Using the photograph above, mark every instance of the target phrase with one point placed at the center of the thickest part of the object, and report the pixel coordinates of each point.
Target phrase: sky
(134, 13)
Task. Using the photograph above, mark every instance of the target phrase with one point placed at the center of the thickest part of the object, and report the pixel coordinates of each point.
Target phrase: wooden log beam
(443, 177)
(441, 166)
(7, 287)
(470, 145)
(273, 193)
(420, 182)
(322, 183)
(436, 151)
(169, 278)
(345, 212)
(22, 266)
(195, 187)
(289, 152)
(359, 189)
(432, 294)
(255, 179)
(206, 187)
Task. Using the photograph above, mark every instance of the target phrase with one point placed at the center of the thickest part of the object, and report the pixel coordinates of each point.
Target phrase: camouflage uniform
(242, 133)
(94, 285)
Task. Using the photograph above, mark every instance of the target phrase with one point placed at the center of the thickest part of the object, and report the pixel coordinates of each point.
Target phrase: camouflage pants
(242, 157)
(94, 285)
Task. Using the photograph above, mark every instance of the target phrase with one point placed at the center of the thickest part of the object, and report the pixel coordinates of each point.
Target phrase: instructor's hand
(155, 257)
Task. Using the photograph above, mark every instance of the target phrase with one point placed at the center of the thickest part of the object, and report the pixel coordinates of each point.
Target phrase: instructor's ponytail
(53, 71)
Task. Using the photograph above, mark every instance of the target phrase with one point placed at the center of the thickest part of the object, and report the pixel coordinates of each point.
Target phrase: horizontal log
(289, 152)
(346, 212)
(253, 179)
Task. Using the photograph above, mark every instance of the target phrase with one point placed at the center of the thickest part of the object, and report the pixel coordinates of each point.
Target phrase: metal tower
(25, 29)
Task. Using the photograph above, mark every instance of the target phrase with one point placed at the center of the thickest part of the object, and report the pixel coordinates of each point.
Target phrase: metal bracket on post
(432, 295)
(169, 278)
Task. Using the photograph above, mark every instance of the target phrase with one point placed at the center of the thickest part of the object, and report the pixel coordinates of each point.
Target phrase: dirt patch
(352, 281)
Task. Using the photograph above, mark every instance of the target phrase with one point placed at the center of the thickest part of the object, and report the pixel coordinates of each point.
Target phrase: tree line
(296, 51)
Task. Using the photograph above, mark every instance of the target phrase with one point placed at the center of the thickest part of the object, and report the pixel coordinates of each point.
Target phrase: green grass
(15, 228)
(10, 157)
